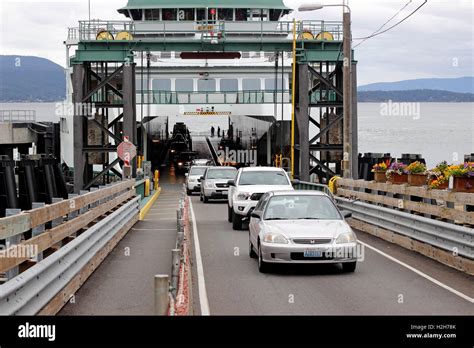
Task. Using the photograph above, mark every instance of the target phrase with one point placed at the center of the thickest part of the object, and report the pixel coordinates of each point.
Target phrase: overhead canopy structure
(249, 4)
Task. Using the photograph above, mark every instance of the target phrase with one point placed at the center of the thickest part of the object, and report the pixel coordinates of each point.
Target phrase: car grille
(300, 256)
(222, 185)
(256, 196)
(312, 241)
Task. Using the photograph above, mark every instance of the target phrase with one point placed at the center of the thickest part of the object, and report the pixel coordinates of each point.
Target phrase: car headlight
(208, 185)
(180, 163)
(348, 237)
(242, 196)
(276, 238)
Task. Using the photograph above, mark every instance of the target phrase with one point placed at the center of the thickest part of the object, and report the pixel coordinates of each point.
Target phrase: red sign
(127, 151)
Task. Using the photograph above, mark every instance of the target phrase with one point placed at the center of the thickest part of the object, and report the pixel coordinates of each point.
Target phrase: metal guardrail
(452, 238)
(204, 30)
(304, 185)
(214, 97)
(29, 292)
(17, 116)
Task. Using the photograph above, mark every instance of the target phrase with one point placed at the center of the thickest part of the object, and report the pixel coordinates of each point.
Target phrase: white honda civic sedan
(300, 227)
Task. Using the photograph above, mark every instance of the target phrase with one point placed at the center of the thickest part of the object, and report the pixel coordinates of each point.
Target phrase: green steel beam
(121, 51)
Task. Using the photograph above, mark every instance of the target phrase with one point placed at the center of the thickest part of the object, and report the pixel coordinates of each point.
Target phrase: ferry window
(240, 14)
(169, 14)
(212, 14)
(152, 15)
(226, 14)
(207, 85)
(275, 15)
(201, 14)
(251, 85)
(186, 14)
(136, 15)
(138, 84)
(162, 84)
(229, 85)
(184, 85)
(270, 84)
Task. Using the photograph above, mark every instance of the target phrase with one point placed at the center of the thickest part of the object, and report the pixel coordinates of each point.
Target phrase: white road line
(420, 273)
(203, 301)
(154, 229)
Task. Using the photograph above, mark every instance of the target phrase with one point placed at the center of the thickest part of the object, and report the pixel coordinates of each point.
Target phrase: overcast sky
(437, 41)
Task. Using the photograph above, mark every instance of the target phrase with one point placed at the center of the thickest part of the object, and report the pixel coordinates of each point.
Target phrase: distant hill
(417, 95)
(458, 85)
(31, 79)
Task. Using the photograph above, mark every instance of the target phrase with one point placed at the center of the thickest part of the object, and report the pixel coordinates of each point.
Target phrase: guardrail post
(38, 229)
(86, 208)
(59, 220)
(13, 272)
(161, 294)
(175, 262)
(95, 204)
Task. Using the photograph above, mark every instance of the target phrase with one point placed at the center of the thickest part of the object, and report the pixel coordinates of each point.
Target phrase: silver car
(300, 227)
(192, 179)
(214, 182)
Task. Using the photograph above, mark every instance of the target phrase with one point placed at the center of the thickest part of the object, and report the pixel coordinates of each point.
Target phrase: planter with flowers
(417, 175)
(379, 171)
(397, 173)
(463, 177)
(439, 177)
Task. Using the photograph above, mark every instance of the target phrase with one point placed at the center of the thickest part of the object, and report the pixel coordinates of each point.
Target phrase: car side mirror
(255, 215)
(231, 183)
(346, 214)
(201, 179)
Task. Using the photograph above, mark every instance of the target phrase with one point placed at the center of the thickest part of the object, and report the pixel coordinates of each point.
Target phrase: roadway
(390, 280)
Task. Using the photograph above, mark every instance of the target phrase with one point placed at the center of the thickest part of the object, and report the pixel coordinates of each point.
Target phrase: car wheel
(263, 267)
(229, 213)
(236, 221)
(189, 192)
(205, 199)
(252, 253)
(349, 266)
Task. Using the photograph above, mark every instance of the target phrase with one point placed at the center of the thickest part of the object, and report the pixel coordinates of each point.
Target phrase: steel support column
(129, 107)
(79, 126)
(302, 121)
(354, 125)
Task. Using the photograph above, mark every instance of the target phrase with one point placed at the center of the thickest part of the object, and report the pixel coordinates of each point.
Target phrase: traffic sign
(127, 151)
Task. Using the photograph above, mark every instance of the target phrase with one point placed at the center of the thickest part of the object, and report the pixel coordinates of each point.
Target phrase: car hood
(307, 228)
(264, 188)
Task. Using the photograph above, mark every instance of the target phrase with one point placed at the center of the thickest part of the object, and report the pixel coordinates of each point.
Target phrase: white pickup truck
(249, 185)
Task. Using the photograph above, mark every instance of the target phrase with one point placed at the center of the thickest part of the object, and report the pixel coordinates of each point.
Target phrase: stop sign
(126, 151)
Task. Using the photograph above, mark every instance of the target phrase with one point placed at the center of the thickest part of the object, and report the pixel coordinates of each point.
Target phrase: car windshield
(221, 174)
(197, 171)
(263, 178)
(301, 208)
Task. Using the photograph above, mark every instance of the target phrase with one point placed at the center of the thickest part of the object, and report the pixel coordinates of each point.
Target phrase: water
(438, 131)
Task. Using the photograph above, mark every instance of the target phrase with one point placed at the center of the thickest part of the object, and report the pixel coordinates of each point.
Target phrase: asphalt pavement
(397, 282)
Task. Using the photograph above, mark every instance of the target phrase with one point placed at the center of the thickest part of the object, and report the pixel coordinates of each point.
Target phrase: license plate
(224, 192)
(312, 253)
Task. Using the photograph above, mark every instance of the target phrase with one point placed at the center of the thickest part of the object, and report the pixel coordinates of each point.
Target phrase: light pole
(347, 82)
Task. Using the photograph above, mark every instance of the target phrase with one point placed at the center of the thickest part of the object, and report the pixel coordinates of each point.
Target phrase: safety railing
(203, 97)
(51, 250)
(202, 30)
(441, 204)
(304, 185)
(17, 116)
